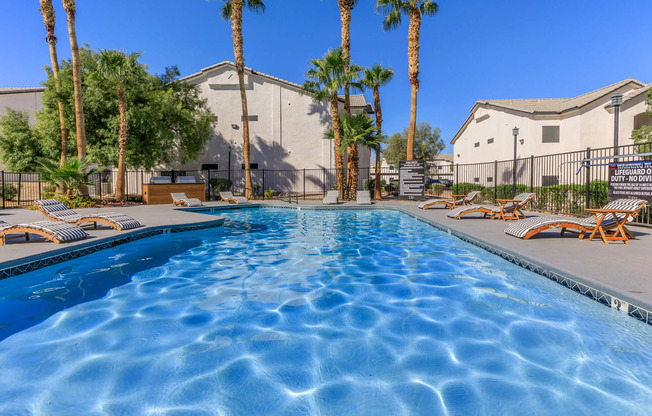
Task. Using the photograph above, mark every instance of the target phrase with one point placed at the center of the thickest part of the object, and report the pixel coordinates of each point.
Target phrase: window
(549, 180)
(490, 178)
(209, 166)
(550, 134)
(477, 144)
(476, 180)
(214, 119)
(439, 167)
(489, 141)
(251, 166)
(250, 118)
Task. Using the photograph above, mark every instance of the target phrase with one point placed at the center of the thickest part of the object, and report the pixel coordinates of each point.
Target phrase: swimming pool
(312, 312)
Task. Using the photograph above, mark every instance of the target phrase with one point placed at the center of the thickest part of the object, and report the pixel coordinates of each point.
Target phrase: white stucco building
(286, 126)
(550, 125)
(25, 99)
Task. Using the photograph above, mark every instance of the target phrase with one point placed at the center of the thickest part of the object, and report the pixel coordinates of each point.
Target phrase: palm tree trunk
(49, 20)
(337, 142)
(379, 130)
(123, 130)
(80, 127)
(413, 59)
(236, 27)
(352, 152)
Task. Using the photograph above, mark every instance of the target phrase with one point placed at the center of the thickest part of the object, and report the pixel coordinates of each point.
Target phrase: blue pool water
(285, 312)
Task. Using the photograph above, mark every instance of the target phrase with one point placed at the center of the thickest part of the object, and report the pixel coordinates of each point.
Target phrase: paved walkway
(622, 270)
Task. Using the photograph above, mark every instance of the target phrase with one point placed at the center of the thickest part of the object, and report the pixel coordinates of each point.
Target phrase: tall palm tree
(374, 78)
(232, 10)
(325, 79)
(345, 16)
(49, 20)
(119, 69)
(356, 130)
(80, 125)
(414, 9)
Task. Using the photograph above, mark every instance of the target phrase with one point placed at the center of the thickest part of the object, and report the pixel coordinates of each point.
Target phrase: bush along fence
(560, 182)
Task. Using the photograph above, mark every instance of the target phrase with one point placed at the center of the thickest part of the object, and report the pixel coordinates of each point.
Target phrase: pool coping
(607, 297)
(27, 264)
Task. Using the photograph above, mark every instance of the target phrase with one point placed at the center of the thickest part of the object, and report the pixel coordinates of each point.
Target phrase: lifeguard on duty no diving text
(630, 180)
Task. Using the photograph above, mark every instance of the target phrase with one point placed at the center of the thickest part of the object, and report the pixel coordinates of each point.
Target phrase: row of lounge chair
(609, 221)
(65, 224)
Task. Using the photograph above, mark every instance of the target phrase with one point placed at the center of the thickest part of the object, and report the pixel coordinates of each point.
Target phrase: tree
(415, 9)
(20, 143)
(80, 129)
(72, 176)
(121, 71)
(374, 78)
(49, 20)
(356, 130)
(427, 144)
(168, 120)
(325, 79)
(232, 10)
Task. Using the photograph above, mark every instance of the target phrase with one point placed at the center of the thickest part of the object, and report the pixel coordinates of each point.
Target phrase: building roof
(556, 105)
(357, 100)
(445, 156)
(21, 90)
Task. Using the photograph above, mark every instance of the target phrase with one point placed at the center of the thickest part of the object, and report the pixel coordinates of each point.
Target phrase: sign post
(411, 179)
(630, 180)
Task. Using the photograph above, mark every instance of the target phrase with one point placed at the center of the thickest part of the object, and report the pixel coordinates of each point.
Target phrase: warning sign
(411, 176)
(630, 180)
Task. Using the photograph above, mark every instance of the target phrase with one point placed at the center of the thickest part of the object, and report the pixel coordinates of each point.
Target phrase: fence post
(207, 185)
(38, 181)
(263, 184)
(3, 189)
(323, 182)
(457, 179)
(495, 180)
(304, 184)
(531, 173)
(20, 180)
(587, 197)
(100, 173)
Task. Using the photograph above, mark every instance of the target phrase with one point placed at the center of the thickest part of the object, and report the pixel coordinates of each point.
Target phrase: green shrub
(270, 193)
(369, 185)
(220, 185)
(466, 187)
(255, 188)
(435, 189)
(77, 201)
(10, 191)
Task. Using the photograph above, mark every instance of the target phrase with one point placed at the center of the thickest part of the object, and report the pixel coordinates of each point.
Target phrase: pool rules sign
(630, 180)
(411, 179)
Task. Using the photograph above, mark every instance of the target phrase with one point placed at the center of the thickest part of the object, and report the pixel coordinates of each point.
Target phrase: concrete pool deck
(624, 271)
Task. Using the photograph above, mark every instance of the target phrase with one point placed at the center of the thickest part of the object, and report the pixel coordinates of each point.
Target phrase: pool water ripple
(285, 312)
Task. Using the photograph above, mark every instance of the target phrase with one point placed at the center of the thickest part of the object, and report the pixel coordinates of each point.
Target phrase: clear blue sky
(473, 49)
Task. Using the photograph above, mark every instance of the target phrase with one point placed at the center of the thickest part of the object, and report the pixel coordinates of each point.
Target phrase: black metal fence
(559, 181)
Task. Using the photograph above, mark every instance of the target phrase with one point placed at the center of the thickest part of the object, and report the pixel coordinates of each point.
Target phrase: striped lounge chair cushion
(467, 209)
(59, 230)
(470, 197)
(521, 228)
(181, 197)
(59, 211)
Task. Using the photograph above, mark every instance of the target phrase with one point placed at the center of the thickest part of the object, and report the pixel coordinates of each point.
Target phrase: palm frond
(392, 20)
(429, 8)
(256, 6)
(226, 11)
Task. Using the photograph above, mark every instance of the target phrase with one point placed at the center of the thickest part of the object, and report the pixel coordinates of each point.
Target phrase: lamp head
(515, 131)
(616, 99)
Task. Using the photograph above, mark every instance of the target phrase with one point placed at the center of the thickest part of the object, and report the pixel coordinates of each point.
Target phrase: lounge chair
(331, 198)
(625, 210)
(180, 199)
(55, 231)
(56, 211)
(161, 179)
(363, 198)
(506, 206)
(186, 179)
(228, 197)
(452, 203)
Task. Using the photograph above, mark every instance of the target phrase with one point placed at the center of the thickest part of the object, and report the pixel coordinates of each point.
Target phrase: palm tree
(324, 80)
(49, 20)
(376, 77)
(232, 10)
(80, 126)
(415, 9)
(72, 175)
(119, 69)
(356, 130)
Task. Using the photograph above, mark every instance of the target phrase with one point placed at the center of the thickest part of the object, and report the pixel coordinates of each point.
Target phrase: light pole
(229, 166)
(515, 133)
(616, 101)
